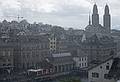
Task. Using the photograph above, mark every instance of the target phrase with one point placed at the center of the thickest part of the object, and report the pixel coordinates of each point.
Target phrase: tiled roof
(99, 63)
(115, 69)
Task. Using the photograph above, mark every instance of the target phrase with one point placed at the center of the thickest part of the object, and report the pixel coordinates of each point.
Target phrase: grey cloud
(67, 15)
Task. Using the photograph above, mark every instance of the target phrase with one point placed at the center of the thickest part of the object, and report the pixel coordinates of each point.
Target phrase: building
(97, 47)
(81, 60)
(96, 27)
(115, 69)
(74, 32)
(106, 71)
(62, 63)
(57, 43)
(6, 57)
(100, 72)
(46, 68)
(52, 43)
(30, 51)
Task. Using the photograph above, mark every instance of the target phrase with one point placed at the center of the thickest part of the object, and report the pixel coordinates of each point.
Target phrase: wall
(101, 72)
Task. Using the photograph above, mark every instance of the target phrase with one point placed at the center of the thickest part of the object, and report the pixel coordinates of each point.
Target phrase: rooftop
(35, 70)
(61, 55)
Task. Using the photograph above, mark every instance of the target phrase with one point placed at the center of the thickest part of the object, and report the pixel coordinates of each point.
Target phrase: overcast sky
(67, 13)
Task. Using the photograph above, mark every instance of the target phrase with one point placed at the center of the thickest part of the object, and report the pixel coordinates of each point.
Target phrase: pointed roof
(89, 19)
(83, 38)
(95, 9)
(106, 9)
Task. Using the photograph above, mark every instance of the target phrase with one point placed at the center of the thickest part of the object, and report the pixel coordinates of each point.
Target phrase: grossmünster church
(97, 41)
(94, 25)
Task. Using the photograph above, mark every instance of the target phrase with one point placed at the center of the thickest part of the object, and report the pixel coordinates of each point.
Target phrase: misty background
(66, 13)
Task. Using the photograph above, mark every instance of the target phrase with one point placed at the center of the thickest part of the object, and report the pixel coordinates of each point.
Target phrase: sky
(65, 13)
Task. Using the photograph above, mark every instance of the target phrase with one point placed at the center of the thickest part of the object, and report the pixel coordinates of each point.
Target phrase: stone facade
(30, 51)
(97, 28)
(62, 62)
(98, 47)
(6, 57)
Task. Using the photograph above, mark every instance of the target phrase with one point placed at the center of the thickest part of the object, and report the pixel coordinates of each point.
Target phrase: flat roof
(61, 55)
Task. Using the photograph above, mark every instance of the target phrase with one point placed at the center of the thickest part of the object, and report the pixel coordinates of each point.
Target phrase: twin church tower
(95, 26)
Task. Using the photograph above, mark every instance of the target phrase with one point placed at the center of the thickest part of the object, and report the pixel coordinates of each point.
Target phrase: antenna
(19, 12)
(18, 17)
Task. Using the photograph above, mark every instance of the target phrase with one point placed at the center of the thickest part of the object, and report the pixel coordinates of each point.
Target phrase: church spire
(95, 9)
(95, 16)
(107, 19)
(106, 9)
(89, 19)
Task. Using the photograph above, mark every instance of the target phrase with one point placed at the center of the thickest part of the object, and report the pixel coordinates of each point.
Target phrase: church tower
(89, 19)
(95, 16)
(107, 19)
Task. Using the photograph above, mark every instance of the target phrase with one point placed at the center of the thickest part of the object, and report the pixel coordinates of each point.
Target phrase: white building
(100, 72)
(81, 59)
(81, 62)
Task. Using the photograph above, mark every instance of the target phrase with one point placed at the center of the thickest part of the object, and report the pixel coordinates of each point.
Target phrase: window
(79, 59)
(80, 64)
(51, 46)
(97, 52)
(96, 75)
(82, 59)
(107, 76)
(3, 53)
(3, 64)
(9, 64)
(9, 53)
(107, 67)
(85, 64)
(85, 58)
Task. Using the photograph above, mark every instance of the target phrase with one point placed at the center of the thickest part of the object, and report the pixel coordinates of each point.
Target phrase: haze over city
(66, 13)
